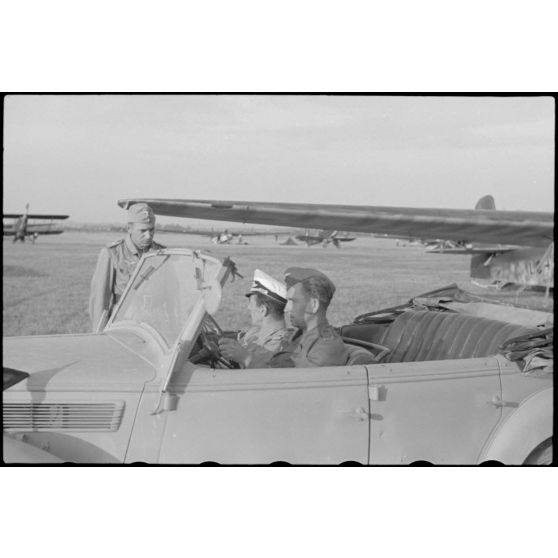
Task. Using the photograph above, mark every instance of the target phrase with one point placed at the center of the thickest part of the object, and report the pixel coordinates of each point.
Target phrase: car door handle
(359, 414)
(497, 401)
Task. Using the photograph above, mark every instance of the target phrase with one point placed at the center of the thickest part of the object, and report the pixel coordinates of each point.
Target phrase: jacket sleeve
(258, 357)
(100, 299)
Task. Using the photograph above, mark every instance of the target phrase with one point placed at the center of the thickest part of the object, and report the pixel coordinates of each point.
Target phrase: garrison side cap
(268, 286)
(141, 213)
(294, 275)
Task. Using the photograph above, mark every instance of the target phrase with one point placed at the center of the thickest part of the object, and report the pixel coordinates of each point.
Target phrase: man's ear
(314, 304)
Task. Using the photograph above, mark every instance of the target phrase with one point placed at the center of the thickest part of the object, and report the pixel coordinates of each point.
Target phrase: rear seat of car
(423, 335)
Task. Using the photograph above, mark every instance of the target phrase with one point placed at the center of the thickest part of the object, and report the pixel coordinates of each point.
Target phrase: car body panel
(76, 426)
(22, 452)
(527, 410)
(437, 411)
(80, 399)
(63, 362)
(313, 415)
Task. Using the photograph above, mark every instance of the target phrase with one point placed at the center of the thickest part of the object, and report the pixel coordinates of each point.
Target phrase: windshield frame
(131, 286)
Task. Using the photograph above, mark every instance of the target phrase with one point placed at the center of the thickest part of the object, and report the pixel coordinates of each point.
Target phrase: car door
(438, 411)
(315, 415)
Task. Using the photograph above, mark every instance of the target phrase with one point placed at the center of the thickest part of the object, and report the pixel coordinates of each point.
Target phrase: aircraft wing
(32, 230)
(525, 228)
(33, 216)
(472, 250)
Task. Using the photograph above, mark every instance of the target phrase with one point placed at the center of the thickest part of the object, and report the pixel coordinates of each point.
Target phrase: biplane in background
(325, 238)
(21, 228)
(506, 246)
(222, 238)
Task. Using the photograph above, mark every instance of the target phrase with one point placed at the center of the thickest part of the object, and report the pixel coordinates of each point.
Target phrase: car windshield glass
(164, 291)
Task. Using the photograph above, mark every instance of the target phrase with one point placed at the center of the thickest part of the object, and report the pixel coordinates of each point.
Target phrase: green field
(46, 285)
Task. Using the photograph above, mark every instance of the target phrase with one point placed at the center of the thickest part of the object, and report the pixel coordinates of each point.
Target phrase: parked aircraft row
(325, 238)
(505, 246)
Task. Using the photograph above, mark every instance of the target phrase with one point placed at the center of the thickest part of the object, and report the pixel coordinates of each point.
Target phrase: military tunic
(321, 346)
(115, 266)
(261, 349)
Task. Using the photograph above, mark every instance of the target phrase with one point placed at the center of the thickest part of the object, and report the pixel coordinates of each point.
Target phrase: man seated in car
(266, 304)
(314, 342)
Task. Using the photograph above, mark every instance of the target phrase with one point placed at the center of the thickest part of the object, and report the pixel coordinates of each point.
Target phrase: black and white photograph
(251, 309)
(278, 279)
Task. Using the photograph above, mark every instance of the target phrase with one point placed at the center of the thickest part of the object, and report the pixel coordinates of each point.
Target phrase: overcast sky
(80, 154)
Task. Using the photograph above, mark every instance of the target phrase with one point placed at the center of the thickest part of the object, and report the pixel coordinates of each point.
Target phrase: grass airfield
(46, 284)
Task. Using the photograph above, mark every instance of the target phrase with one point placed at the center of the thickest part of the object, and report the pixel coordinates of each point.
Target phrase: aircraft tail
(525, 266)
(486, 202)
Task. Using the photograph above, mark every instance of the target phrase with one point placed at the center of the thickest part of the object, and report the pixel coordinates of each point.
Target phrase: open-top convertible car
(445, 378)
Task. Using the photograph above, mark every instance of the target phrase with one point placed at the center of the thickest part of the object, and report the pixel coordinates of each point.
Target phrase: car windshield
(164, 291)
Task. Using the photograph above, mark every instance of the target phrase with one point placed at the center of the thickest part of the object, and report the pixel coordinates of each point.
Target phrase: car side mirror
(212, 293)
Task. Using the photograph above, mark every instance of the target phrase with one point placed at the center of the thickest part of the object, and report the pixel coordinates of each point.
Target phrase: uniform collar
(131, 246)
(318, 329)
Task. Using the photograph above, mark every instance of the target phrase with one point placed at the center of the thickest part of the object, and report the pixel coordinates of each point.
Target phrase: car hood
(83, 362)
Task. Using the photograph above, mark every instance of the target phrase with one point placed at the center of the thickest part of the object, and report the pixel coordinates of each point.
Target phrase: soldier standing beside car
(117, 262)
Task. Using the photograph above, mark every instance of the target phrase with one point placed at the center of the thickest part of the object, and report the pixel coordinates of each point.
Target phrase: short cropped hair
(274, 307)
(320, 288)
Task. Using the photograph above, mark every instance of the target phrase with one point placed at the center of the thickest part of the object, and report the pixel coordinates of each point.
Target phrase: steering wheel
(208, 342)
(379, 351)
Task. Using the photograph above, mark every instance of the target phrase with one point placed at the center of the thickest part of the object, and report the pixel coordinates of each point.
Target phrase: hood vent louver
(63, 416)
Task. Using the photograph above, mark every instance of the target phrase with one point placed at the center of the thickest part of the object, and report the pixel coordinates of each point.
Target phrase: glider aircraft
(325, 238)
(20, 228)
(506, 246)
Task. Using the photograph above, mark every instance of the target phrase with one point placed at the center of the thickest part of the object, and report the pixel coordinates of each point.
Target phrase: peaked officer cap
(268, 286)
